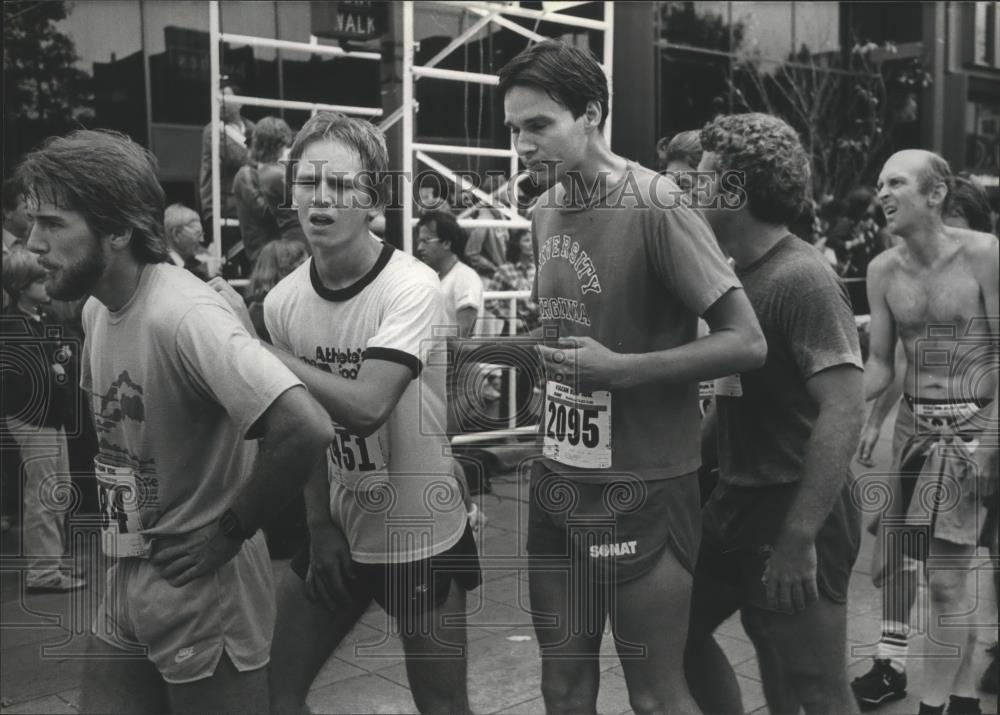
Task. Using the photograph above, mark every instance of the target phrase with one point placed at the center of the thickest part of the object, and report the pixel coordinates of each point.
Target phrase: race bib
(577, 427)
(729, 386)
(358, 463)
(118, 497)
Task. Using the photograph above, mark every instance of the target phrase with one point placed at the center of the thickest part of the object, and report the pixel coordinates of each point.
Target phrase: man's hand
(790, 575)
(477, 519)
(330, 570)
(235, 301)
(182, 559)
(582, 363)
(869, 438)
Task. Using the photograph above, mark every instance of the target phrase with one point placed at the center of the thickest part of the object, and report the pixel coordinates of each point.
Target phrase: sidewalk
(41, 638)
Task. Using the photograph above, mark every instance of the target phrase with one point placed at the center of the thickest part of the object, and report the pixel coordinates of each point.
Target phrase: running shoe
(880, 685)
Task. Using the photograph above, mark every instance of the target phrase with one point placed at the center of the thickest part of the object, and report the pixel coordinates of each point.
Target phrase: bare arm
(838, 393)
(296, 435)
(361, 405)
(790, 574)
(466, 321)
(881, 408)
(880, 369)
(989, 278)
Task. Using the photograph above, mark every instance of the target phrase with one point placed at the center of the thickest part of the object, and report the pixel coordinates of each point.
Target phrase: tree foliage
(45, 93)
(846, 107)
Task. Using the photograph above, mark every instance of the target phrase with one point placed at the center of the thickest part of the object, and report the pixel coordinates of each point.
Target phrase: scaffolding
(216, 37)
(499, 14)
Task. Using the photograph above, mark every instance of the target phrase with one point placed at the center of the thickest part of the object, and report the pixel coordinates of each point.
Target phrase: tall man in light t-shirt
(624, 271)
(358, 323)
(178, 388)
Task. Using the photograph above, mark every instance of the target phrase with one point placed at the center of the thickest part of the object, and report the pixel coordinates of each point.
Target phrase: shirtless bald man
(937, 293)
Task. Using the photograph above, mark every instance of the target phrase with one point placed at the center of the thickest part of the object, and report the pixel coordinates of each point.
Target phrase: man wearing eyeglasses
(441, 245)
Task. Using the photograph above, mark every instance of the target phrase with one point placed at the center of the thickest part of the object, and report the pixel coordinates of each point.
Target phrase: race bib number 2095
(577, 427)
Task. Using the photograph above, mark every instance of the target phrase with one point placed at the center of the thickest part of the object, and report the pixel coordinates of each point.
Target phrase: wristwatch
(230, 525)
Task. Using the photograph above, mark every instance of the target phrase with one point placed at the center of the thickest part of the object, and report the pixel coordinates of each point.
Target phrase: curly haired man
(780, 531)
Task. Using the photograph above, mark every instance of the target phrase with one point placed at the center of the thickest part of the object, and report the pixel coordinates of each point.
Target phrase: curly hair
(767, 152)
(110, 179)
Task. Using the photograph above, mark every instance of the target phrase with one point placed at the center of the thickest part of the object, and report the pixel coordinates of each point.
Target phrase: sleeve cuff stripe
(397, 356)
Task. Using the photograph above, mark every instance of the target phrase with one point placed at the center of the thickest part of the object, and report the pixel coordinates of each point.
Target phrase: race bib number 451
(577, 427)
(354, 461)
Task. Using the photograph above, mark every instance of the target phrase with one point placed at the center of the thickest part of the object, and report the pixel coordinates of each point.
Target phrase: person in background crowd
(935, 293)
(967, 206)
(856, 236)
(38, 366)
(516, 273)
(16, 220)
(184, 239)
(235, 134)
(258, 222)
(681, 157)
(429, 199)
(441, 245)
(274, 183)
(275, 261)
(486, 247)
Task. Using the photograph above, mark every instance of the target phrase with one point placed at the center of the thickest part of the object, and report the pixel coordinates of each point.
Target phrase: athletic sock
(894, 645)
(958, 705)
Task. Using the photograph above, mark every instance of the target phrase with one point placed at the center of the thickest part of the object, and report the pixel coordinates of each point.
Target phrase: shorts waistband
(977, 402)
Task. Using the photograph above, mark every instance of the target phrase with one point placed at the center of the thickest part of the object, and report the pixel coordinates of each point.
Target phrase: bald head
(929, 168)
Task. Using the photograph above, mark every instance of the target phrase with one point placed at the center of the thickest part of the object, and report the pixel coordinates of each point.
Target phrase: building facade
(142, 67)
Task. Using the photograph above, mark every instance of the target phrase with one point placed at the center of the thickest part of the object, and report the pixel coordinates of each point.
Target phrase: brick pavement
(40, 638)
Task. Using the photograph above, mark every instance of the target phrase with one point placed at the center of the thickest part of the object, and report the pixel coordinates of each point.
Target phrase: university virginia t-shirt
(633, 269)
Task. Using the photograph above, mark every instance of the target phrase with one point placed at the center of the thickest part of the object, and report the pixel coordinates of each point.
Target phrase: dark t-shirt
(806, 317)
(633, 271)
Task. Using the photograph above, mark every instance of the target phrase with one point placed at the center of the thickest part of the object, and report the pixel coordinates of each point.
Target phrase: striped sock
(893, 646)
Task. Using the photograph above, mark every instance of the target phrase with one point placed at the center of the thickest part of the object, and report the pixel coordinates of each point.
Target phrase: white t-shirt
(392, 493)
(462, 288)
(176, 383)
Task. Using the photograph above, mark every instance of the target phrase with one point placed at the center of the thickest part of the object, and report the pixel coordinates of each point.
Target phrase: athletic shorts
(741, 525)
(184, 630)
(615, 530)
(411, 587)
(961, 518)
